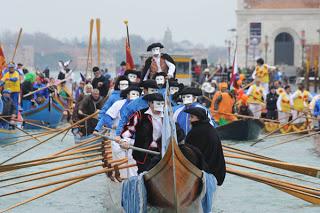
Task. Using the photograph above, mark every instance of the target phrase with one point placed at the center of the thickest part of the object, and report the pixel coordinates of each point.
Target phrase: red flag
(234, 70)
(2, 61)
(129, 59)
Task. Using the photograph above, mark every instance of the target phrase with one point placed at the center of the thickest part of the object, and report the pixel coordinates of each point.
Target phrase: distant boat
(241, 130)
(48, 114)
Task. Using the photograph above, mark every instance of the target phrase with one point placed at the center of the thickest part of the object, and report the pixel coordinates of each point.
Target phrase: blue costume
(128, 110)
(42, 93)
(107, 120)
(115, 96)
(316, 110)
(182, 118)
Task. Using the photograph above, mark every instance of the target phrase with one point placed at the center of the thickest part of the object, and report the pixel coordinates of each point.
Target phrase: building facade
(283, 32)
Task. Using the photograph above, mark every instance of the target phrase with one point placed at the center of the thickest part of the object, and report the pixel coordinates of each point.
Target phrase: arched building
(274, 29)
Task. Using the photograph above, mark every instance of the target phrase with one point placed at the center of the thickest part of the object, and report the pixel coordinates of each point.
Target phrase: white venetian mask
(134, 95)
(152, 90)
(158, 106)
(173, 90)
(187, 99)
(155, 51)
(160, 80)
(123, 85)
(132, 77)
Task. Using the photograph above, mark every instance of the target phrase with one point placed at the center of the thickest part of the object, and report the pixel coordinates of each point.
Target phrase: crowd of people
(131, 106)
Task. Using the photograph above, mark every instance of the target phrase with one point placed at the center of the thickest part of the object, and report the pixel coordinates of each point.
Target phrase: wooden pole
(301, 169)
(311, 198)
(270, 172)
(98, 41)
(89, 47)
(281, 126)
(56, 134)
(290, 140)
(246, 116)
(43, 88)
(17, 44)
(53, 169)
(61, 181)
(61, 187)
(290, 133)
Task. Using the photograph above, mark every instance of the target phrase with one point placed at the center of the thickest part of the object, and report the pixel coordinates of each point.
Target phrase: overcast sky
(201, 21)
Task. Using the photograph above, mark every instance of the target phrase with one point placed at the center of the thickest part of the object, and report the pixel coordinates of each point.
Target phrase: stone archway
(284, 49)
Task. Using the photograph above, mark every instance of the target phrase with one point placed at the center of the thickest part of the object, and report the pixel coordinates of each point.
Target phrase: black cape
(204, 136)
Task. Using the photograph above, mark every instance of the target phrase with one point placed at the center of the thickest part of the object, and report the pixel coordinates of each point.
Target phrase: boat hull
(241, 130)
(159, 181)
(48, 114)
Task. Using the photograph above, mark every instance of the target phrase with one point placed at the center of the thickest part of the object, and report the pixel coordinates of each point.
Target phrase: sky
(202, 21)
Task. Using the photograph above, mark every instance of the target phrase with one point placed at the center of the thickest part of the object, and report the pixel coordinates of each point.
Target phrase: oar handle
(130, 146)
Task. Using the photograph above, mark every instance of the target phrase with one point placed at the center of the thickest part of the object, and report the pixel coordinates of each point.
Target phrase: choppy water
(98, 195)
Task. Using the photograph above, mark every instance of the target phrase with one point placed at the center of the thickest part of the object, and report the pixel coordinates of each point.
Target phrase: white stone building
(273, 29)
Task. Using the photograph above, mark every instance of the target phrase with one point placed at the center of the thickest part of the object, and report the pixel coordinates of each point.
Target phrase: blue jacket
(115, 96)
(107, 120)
(128, 110)
(182, 118)
(44, 93)
(316, 110)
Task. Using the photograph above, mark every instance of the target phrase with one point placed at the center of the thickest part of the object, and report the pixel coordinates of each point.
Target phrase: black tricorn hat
(191, 90)
(150, 83)
(175, 83)
(153, 45)
(160, 74)
(199, 112)
(95, 69)
(125, 92)
(138, 73)
(120, 78)
(153, 97)
(123, 63)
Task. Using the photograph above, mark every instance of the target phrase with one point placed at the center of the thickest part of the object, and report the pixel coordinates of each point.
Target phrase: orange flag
(2, 61)
(129, 59)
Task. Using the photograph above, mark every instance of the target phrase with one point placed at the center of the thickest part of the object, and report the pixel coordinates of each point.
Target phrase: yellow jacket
(262, 73)
(255, 94)
(11, 81)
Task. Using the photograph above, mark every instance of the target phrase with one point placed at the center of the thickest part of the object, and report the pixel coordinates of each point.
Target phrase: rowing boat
(48, 114)
(160, 184)
(241, 130)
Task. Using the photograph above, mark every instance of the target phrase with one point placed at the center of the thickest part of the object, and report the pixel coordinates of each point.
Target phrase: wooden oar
(290, 140)
(288, 188)
(270, 172)
(25, 132)
(55, 168)
(34, 134)
(61, 187)
(64, 172)
(246, 116)
(130, 146)
(250, 154)
(61, 181)
(27, 139)
(281, 126)
(50, 158)
(17, 44)
(306, 170)
(43, 88)
(56, 134)
(49, 162)
(291, 133)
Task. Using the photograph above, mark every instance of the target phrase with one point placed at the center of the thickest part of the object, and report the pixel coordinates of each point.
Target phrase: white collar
(149, 112)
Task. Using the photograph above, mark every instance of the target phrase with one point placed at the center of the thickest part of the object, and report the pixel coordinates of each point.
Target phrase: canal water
(99, 195)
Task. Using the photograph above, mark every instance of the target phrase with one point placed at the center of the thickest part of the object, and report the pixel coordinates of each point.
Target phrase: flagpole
(98, 40)
(127, 27)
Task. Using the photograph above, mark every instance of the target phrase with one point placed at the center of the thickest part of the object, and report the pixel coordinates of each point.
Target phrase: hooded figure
(158, 62)
(204, 136)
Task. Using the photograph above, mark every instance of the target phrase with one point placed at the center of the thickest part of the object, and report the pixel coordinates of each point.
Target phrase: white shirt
(156, 124)
(114, 110)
